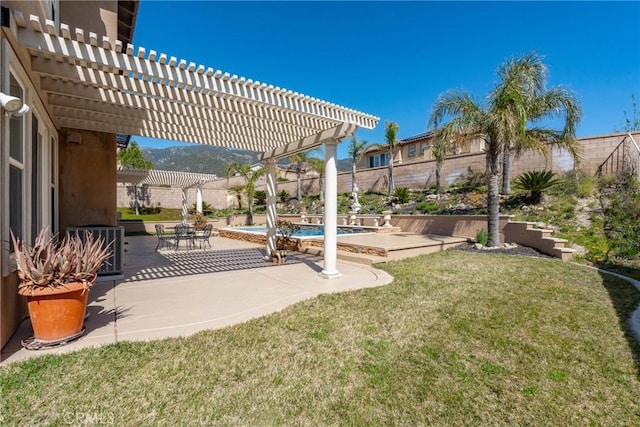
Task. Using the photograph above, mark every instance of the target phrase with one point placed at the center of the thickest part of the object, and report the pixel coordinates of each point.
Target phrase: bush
(402, 194)
(621, 212)
(207, 209)
(260, 197)
(576, 183)
(482, 237)
(283, 195)
(427, 207)
(534, 182)
(471, 181)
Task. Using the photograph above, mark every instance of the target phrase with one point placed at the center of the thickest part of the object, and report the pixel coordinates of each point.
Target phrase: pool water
(311, 231)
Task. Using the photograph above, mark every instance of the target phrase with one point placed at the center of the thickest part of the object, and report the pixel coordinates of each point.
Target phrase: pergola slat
(181, 93)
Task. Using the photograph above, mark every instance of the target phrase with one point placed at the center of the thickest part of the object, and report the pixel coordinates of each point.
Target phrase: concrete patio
(178, 293)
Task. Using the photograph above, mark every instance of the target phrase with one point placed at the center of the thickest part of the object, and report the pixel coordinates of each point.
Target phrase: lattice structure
(99, 84)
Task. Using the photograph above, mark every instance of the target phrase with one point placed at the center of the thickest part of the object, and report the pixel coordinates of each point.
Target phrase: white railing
(113, 267)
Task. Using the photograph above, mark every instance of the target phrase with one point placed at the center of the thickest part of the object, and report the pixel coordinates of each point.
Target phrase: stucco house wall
(81, 189)
(87, 175)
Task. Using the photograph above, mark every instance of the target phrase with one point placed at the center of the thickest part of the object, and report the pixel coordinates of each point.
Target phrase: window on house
(412, 150)
(16, 165)
(423, 148)
(36, 177)
(378, 160)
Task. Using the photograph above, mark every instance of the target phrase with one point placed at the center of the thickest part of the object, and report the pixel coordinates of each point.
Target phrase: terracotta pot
(57, 313)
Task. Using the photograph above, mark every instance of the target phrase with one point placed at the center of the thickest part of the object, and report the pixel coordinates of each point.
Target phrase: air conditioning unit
(113, 267)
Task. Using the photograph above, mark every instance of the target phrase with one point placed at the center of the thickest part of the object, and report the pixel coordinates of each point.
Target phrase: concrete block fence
(419, 174)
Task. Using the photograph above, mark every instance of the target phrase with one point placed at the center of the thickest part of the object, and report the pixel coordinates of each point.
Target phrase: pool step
(376, 249)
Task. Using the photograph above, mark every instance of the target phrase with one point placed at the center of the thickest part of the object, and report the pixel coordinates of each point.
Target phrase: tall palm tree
(318, 166)
(355, 150)
(391, 143)
(250, 177)
(510, 114)
(300, 160)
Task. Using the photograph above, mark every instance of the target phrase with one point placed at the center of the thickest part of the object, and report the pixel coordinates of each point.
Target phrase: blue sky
(392, 59)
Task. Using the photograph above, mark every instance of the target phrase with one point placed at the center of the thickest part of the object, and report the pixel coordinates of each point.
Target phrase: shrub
(576, 183)
(482, 237)
(476, 200)
(471, 181)
(621, 212)
(534, 182)
(207, 209)
(402, 194)
(283, 195)
(261, 197)
(427, 207)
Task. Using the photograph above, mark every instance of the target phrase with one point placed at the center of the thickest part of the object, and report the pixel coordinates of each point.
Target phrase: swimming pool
(305, 231)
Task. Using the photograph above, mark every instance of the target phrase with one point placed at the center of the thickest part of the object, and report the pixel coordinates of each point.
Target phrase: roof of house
(418, 137)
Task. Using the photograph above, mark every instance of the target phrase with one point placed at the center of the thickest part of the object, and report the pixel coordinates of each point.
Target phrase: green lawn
(458, 339)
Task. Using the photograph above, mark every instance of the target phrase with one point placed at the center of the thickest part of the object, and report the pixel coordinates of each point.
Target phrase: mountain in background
(207, 159)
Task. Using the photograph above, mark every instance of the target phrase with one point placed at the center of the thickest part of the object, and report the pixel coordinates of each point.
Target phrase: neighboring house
(72, 64)
(413, 149)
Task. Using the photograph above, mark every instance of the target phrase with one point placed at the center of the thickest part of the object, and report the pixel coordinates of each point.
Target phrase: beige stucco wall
(87, 192)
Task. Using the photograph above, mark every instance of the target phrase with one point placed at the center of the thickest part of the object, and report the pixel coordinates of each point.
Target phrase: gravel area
(516, 250)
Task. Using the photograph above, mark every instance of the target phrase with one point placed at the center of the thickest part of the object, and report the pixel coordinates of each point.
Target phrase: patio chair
(183, 234)
(203, 236)
(164, 239)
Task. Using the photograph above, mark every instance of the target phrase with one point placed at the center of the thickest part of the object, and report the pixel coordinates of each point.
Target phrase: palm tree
(238, 191)
(250, 177)
(300, 160)
(391, 143)
(509, 116)
(439, 149)
(356, 149)
(318, 166)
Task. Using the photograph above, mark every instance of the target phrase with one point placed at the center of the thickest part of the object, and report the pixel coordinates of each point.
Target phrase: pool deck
(179, 293)
(373, 248)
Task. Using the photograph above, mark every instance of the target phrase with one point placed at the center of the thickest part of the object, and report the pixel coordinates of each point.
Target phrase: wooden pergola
(93, 83)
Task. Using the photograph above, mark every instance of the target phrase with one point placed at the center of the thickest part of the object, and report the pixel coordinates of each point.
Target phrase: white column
(271, 207)
(199, 197)
(330, 270)
(185, 207)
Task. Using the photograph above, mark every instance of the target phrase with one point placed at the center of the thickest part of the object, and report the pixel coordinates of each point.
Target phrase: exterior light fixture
(13, 105)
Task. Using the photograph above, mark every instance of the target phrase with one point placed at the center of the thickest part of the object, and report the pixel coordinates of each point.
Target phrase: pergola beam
(339, 132)
(75, 64)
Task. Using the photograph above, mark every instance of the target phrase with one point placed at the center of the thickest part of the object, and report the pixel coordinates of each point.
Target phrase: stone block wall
(418, 174)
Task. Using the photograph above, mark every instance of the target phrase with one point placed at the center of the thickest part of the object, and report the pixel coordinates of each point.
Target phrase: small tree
(250, 177)
(133, 158)
(300, 160)
(356, 150)
(318, 166)
(238, 191)
(391, 133)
